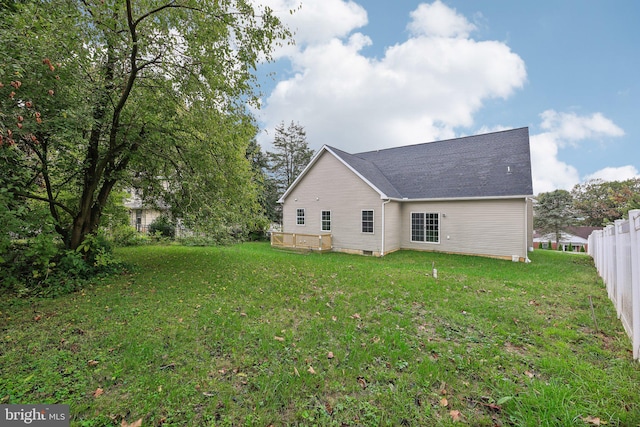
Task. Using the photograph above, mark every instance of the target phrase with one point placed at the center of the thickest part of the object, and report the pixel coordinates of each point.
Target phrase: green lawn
(249, 336)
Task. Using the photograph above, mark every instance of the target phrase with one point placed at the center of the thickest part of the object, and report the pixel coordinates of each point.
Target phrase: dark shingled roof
(490, 165)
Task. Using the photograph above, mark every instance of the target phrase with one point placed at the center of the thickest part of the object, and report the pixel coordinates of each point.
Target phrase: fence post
(634, 231)
(618, 273)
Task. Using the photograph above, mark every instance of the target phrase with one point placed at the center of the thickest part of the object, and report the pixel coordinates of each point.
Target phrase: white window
(300, 216)
(367, 221)
(425, 227)
(325, 220)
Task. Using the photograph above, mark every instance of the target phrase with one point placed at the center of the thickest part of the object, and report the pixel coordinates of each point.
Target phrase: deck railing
(316, 242)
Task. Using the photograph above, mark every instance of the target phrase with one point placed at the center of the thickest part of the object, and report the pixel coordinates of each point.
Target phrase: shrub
(126, 235)
(163, 226)
(39, 266)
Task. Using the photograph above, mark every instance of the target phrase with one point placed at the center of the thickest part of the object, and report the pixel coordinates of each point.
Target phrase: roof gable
(496, 164)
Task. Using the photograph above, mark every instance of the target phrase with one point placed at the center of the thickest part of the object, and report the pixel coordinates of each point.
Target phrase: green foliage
(126, 235)
(553, 212)
(292, 154)
(99, 96)
(227, 336)
(602, 202)
(268, 195)
(163, 226)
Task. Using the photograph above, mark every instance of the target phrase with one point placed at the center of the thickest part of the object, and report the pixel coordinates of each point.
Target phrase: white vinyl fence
(616, 252)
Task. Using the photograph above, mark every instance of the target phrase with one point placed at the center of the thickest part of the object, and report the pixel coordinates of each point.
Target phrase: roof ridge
(438, 141)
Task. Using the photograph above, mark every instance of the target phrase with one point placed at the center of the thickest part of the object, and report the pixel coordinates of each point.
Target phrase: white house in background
(140, 214)
(575, 239)
(469, 195)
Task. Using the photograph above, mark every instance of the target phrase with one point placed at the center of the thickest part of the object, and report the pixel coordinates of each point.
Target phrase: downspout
(383, 227)
(526, 230)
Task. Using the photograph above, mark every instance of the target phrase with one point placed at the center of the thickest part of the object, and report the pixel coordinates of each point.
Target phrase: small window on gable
(325, 220)
(300, 216)
(367, 221)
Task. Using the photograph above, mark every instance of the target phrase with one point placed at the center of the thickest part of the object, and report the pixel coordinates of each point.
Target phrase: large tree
(553, 212)
(290, 156)
(99, 94)
(601, 202)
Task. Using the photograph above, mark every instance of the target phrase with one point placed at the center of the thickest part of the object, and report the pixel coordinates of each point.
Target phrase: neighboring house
(469, 195)
(140, 215)
(575, 239)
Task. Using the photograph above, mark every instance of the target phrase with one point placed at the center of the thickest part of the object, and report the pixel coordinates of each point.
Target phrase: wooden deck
(314, 242)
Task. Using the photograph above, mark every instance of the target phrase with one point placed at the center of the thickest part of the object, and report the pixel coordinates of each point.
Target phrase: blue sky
(373, 74)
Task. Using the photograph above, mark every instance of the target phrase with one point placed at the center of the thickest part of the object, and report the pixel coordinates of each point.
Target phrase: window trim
(322, 220)
(424, 218)
(300, 217)
(372, 221)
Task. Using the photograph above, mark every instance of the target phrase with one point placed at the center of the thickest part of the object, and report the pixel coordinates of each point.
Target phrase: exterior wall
(478, 227)
(392, 227)
(147, 216)
(330, 185)
(530, 224)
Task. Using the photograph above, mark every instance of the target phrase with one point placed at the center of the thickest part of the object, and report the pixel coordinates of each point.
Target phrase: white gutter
(451, 199)
(383, 228)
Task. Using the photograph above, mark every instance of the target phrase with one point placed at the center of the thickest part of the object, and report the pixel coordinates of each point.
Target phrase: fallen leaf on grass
(595, 421)
(362, 382)
(277, 338)
(355, 316)
(529, 374)
(444, 402)
(330, 355)
(92, 362)
(98, 392)
(455, 415)
(311, 370)
(443, 388)
(134, 424)
(328, 407)
(295, 371)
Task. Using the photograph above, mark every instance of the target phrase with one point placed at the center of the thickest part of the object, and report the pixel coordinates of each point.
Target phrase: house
(469, 195)
(141, 214)
(574, 238)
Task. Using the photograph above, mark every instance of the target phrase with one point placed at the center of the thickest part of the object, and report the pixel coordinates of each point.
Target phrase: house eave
(455, 199)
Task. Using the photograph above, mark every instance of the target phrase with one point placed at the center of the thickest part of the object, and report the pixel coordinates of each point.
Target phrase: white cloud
(315, 22)
(564, 129)
(438, 20)
(549, 173)
(621, 173)
(420, 90)
(569, 127)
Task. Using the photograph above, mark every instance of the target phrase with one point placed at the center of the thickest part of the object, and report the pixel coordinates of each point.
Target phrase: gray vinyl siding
(329, 185)
(479, 227)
